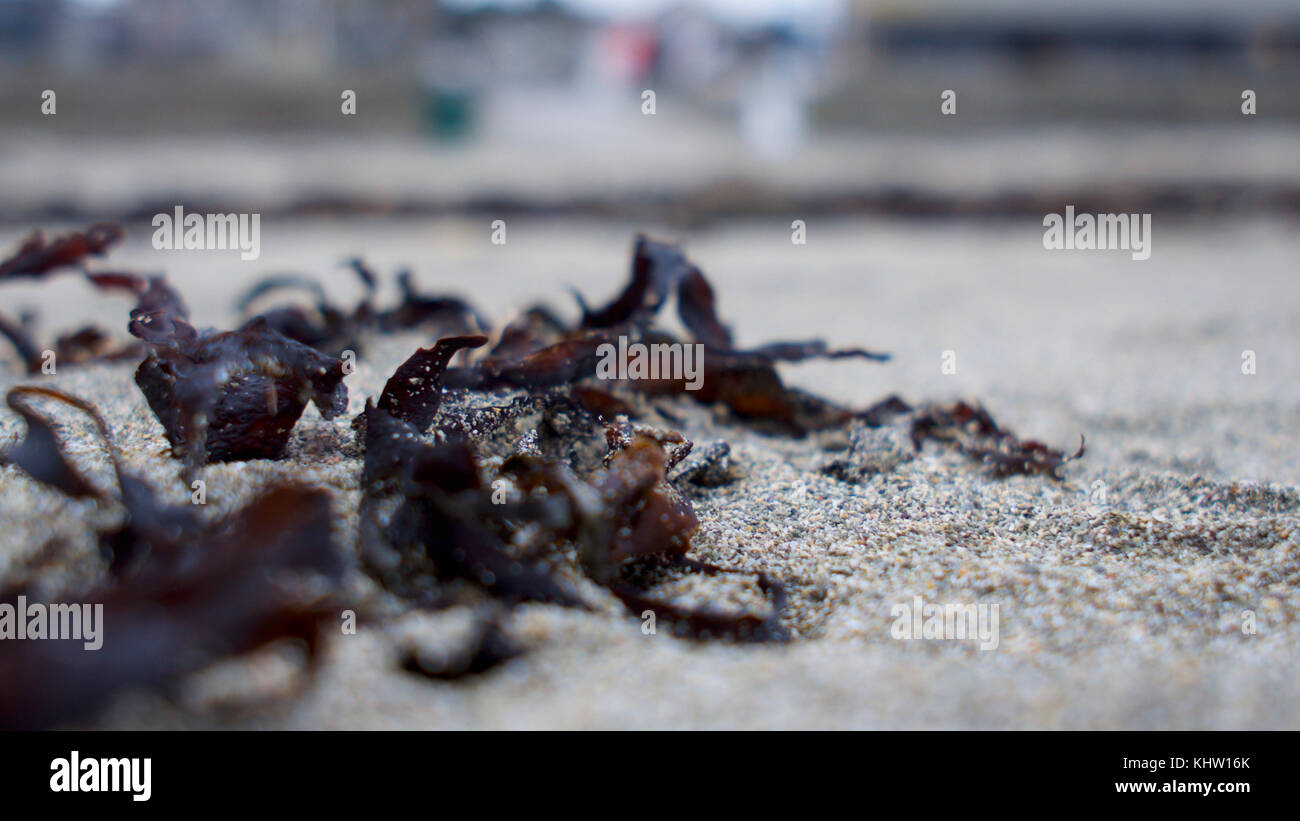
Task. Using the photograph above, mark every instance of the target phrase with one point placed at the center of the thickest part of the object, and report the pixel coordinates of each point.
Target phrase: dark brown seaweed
(698, 313)
(655, 267)
(551, 495)
(451, 315)
(40, 453)
(414, 391)
(36, 257)
(19, 335)
(708, 624)
(971, 429)
(232, 395)
(244, 586)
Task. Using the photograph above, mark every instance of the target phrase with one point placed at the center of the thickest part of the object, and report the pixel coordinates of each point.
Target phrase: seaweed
(36, 257)
(178, 593)
(237, 395)
(437, 513)
(92, 344)
(429, 517)
(538, 350)
(744, 380)
(20, 337)
(534, 329)
(332, 329)
(244, 585)
(323, 328)
(326, 327)
(655, 266)
(414, 392)
(542, 488)
(645, 514)
(709, 624)
(971, 429)
(224, 396)
(86, 344)
(695, 305)
(448, 314)
(563, 363)
(39, 453)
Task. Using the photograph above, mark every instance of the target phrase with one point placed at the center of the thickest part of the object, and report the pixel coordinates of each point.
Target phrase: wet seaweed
(332, 329)
(20, 336)
(243, 586)
(179, 593)
(414, 392)
(971, 430)
(323, 326)
(37, 257)
(87, 344)
(655, 267)
(549, 486)
(40, 453)
(224, 396)
(743, 380)
(708, 624)
(428, 516)
(445, 315)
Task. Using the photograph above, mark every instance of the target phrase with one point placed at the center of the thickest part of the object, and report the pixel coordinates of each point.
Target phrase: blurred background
(834, 104)
(924, 230)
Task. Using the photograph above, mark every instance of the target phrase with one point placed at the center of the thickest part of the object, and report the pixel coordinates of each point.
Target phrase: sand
(1120, 590)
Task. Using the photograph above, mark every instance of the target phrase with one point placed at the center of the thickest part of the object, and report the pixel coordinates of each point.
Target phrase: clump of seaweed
(537, 482)
(429, 515)
(37, 258)
(178, 593)
(971, 429)
(538, 350)
(224, 396)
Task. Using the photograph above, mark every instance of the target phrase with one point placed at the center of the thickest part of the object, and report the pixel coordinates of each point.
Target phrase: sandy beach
(1120, 590)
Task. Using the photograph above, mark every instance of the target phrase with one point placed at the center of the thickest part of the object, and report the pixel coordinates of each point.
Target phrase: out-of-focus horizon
(536, 103)
(835, 55)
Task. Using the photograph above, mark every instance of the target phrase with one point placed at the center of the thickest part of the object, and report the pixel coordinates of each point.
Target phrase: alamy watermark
(208, 232)
(77, 774)
(1103, 232)
(657, 360)
(79, 622)
(950, 622)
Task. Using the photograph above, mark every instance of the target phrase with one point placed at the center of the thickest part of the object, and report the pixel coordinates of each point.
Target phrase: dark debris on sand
(551, 489)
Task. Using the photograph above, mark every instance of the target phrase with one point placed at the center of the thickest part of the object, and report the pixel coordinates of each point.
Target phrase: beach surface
(1121, 592)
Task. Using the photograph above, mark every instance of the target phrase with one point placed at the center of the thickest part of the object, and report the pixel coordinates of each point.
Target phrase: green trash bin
(447, 114)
